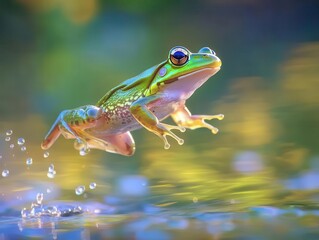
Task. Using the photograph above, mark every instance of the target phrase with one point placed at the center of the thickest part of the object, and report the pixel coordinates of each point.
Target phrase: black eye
(179, 56)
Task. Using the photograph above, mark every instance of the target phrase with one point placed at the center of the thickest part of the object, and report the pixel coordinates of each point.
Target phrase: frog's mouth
(206, 72)
(201, 73)
(210, 71)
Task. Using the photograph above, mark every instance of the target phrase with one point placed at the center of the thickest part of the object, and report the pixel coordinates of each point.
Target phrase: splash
(38, 210)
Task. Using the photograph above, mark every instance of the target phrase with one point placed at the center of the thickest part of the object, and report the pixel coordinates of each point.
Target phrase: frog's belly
(121, 120)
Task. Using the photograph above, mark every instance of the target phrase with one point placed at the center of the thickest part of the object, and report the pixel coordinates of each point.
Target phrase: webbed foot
(165, 130)
(184, 118)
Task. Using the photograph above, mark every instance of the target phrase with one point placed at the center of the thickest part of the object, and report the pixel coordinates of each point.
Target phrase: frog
(143, 101)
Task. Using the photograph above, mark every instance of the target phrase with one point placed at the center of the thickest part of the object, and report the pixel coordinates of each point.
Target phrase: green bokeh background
(57, 55)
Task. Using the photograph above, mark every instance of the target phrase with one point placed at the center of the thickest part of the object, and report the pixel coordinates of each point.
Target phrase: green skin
(142, 101)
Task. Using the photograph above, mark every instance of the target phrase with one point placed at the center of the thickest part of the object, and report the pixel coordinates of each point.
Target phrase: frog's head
(183, 72)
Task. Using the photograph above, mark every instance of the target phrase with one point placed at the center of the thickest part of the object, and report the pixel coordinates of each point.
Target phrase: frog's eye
(207, 50)
(93, 113)
(179, 56)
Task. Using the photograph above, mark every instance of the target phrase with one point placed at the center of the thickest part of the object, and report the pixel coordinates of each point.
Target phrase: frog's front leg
(184, 118)
(148, 120)
(71, 124)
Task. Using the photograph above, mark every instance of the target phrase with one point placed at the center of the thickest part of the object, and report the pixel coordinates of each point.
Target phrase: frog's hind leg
(72, 124)
(184, 118)
(120, 143)
(60, 126)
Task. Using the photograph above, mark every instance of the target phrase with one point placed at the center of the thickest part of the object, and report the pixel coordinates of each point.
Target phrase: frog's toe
(166, 144)
(220, 116)
(210, 127)
(167, 132)
(214, 130)
(52, 136)
(45, 144)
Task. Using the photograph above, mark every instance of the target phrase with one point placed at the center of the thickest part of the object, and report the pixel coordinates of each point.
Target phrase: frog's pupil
(179, 55)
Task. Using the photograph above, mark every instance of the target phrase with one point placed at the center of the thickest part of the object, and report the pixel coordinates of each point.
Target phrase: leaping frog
(142, 101)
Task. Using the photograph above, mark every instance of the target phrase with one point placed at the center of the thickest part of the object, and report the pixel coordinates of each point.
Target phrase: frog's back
(130, 88)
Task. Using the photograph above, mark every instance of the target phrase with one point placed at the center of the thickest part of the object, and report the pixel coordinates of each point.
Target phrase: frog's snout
(216, 62)
(219, 62)
(209, 53)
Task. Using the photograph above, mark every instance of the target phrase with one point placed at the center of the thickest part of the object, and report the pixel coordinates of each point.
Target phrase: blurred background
(57, 55)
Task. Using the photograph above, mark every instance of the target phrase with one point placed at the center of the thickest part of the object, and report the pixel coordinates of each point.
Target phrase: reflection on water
(210, 225)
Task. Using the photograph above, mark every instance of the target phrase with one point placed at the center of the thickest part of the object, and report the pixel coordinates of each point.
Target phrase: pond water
(258, 223)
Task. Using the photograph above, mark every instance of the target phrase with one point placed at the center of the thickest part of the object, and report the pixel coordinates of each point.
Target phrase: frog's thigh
(120, 143)
(183, 117)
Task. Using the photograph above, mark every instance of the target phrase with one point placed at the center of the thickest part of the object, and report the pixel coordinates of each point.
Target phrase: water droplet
(5, 173)
(7, 139)
(195, 199)
(46, 154)
(39, 198)
(51, 168)
(92, 185)
(9, 132)
(29, 161)
(79, 144)
(84, 151)
(51, 174)
(79, 190)
(11, 146)
(48, 190)
(23, 148)
(21, 141)
(24, 213)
